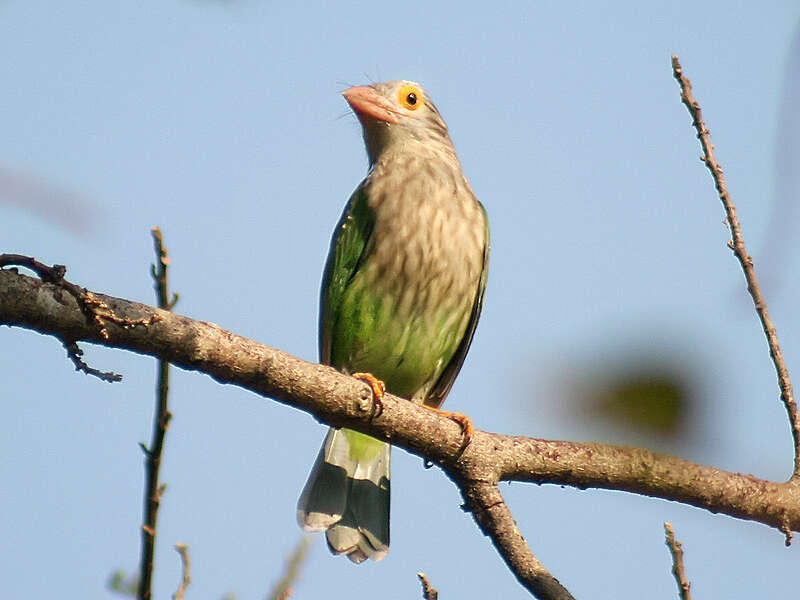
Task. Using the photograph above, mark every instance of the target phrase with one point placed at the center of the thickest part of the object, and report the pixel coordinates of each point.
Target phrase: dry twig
(74, 352)
(161, 418)
(678, 570)
(428, 591)
(283, 588)
(186, 579)
(736, 243)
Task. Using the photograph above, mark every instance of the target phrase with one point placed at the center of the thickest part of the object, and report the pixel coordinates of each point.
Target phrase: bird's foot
(467, 429)
(378, 391)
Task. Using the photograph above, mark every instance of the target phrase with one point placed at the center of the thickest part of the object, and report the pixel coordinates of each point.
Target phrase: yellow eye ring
(409, 97)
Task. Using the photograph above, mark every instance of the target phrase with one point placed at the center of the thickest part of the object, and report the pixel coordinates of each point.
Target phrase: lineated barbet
(401, 295)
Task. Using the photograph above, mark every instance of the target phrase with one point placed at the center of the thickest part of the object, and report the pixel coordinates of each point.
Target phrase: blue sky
(222, 123)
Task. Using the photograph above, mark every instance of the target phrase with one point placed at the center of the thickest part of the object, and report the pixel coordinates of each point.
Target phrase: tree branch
(495, 520)
(342, 401)
(736, 244)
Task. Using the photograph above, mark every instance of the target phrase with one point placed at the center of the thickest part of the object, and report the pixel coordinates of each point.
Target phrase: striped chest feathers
(429, 234)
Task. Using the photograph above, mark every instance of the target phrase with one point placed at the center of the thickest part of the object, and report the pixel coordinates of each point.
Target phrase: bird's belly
(402, 332)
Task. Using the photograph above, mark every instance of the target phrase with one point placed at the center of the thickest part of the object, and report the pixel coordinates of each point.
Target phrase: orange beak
(366, 102)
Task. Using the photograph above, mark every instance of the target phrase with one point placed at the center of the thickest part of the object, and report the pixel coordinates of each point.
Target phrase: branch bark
(342, 401)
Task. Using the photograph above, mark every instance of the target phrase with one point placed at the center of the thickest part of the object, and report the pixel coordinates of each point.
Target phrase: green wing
(442, 386)
(347, 248)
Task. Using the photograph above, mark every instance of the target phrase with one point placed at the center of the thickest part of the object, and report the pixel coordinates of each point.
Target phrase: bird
(401, 295)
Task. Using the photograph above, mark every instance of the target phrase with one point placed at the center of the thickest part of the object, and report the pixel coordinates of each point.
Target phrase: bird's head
(397, 115)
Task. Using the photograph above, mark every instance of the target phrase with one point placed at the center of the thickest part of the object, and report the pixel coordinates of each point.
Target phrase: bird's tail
(347, 495)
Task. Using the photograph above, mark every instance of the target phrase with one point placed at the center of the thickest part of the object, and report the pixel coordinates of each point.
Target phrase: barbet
(401, 296)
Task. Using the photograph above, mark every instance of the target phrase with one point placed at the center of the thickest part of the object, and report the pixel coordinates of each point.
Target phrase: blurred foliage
(649, 400)
(644, 392)
(642, 388)
(123, 584)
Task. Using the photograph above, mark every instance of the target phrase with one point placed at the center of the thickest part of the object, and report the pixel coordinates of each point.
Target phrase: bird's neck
(385, 143)
(400, 154)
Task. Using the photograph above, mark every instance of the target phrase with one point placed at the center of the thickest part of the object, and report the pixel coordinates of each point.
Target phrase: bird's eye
(409, 97)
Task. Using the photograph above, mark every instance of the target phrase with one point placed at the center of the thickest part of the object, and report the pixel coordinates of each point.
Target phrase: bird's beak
(366, 102)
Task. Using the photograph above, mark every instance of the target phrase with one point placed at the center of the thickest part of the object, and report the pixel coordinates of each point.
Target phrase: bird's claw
(467, 428)
(378, 391)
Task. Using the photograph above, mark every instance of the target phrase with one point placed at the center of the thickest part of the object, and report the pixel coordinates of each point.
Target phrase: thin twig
(186, 578)
(75, 353)
(428, 591)
(159, 272)
(678, 570)
(161, 418)
(54, 274)
(283, 588)
(737, 245)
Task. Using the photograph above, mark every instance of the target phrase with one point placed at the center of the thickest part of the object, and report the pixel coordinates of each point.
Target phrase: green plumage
(365, 325)
(401, 296)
